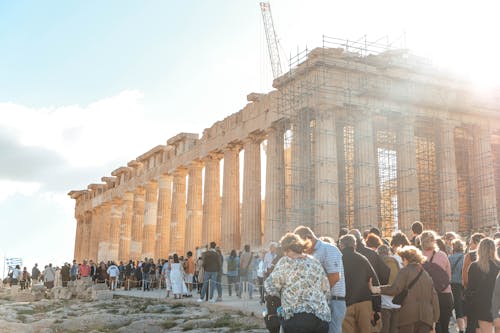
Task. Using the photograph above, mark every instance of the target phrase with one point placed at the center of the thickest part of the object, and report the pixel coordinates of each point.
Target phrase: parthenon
(347, 139)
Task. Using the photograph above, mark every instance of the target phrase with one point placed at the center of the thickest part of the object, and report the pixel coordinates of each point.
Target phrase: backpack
(438, 275)
(231, 264)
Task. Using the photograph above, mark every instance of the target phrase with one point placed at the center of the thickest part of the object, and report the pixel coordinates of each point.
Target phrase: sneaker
(212, 301)
(199, 300)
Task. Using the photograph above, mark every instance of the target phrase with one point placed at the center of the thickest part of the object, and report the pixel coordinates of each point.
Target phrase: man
(211, 267)
(469, 258)
(35, 273)
(113, 273)
(416, 228)
(84, 269)
(358, 273)
(377, 263)
(331, 259)
(246, 271)
(269, 257)
(65, 274)
(74, 271)
(145, 268)
(49, 276)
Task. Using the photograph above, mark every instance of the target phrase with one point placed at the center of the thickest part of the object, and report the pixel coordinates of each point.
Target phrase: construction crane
(272, 40)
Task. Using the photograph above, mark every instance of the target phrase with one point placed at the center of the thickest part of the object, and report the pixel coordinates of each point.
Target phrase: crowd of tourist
(360, 283)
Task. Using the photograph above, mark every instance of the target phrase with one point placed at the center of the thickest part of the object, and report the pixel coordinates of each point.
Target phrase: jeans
(219, 284)
(212, 277)
(305, 322)
(248, 280)
(145, 285)
(233, 280)
(337, 309)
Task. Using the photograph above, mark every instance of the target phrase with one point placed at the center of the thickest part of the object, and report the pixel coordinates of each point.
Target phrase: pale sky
(86, 86)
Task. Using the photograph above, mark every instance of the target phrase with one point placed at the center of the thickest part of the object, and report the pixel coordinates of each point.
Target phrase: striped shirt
(330, 258)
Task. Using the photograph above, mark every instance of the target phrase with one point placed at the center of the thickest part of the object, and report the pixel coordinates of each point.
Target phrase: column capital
(234, 146)
(196, 164)
(212, 156)
(278, 125)
(180, 172)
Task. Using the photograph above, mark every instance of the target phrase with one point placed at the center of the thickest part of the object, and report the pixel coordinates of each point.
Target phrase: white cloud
(9, 188)
(106, 130)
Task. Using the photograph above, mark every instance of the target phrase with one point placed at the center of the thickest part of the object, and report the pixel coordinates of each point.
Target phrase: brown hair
(373, 241)
(411, 254)
(486, 252)
(457, 245)
(292, 242)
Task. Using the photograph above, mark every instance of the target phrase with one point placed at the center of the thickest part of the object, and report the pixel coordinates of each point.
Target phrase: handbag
(400, 297)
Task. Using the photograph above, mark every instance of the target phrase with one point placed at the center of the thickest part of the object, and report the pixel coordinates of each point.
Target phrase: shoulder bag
(399, 298)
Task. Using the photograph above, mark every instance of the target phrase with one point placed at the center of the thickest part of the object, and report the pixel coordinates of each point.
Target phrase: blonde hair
(411, 254)
(428, 240)
(486, 252)
(292, 242)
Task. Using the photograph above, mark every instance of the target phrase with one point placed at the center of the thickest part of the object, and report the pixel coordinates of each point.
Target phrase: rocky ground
(21, 313)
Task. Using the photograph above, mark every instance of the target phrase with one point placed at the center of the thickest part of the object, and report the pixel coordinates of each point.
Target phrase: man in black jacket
(211, 266)
(358, 271)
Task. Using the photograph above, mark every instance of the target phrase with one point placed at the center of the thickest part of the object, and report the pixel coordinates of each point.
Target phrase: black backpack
(439, 277)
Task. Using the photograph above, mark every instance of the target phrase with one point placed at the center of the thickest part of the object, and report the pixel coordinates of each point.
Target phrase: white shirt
(113, 271)
(15, 273)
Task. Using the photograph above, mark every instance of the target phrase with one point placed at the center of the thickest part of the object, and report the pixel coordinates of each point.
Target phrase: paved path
(244, 304)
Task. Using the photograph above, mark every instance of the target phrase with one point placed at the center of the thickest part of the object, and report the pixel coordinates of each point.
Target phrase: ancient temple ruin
(352, 138)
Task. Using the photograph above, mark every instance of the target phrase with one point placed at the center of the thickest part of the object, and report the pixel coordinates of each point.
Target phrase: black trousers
(445, 308)
(305, 323)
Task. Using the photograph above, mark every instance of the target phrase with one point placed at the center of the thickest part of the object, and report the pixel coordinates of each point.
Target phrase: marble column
(408, 191)
(126, 226)
(484, 192)
(87, 227)
(163, 216)
(450, 213)
(211, 200)
(94, 233)
(194, 213)
(230, 238)
(137, 224)
(365, 174)
(114, 230)
(178, 216)
(300, 212)
(326, 189)
(251, 232)
(275, 226)
(104, 232)
(80, 221)
(149, 229)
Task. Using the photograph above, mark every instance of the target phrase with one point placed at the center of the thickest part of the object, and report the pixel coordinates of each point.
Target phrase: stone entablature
(331, 89)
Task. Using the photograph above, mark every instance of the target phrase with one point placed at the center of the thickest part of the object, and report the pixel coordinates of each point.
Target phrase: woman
(420, 309)
(457, 261)
(495, 304)
(177, 277)
(435, 255)
(233, 262)
(301, 282)
(481, 282)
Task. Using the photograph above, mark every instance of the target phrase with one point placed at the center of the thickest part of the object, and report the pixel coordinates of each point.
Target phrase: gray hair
(347, 241)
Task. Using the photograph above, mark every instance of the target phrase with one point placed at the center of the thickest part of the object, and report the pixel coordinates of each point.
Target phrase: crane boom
(272, 40)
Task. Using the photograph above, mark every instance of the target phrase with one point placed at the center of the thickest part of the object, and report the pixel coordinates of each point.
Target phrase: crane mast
(272, 40)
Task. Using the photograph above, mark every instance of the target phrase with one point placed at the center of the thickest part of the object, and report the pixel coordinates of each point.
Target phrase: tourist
(420, 309)
(74, 271)
(398, 241)
(101, 275)
(268, 258)
(245, 270)
(259, 273)
(65, 274)
(35, 273)
(177, 277)
(190, 269)
(457, 261)
(416, 228)
(93, 270)
(16, 274)
(469, 258)
(377, 263)
(146, 279)
(84, 269)
(481, 283)
(495, 305)
(358, 272)
(448, 238)
(435, 255)
(233, 262)
(165, 272)
(211, 268)
(49, 276)
(330, 258)
(24, 279)
(113, 272)
(373, 241)
(390, 311)
(301, 282)
(199, 273)
(219, 275)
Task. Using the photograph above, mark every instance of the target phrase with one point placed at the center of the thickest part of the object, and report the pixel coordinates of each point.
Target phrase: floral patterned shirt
(302, 285)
